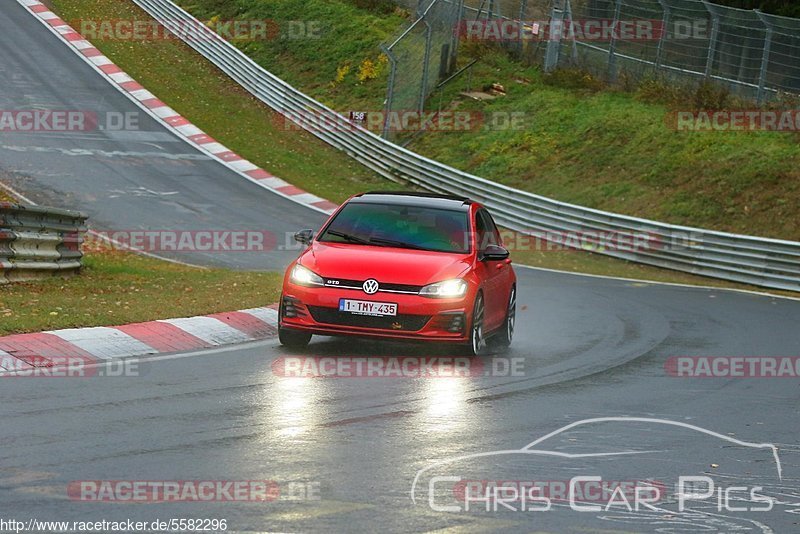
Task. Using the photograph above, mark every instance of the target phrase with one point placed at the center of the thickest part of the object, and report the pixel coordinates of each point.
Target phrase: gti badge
(370, 286)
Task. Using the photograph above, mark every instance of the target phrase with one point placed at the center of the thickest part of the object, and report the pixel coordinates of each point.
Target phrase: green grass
(119, 287)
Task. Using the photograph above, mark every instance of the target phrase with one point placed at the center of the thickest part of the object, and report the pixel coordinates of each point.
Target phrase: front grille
(343, 283)
(406, 322)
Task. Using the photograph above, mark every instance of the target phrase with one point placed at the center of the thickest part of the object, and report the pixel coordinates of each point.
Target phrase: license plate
(366, 307)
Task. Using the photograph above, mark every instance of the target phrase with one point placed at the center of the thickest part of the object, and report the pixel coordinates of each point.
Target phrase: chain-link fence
(421, 55)
(754, 54)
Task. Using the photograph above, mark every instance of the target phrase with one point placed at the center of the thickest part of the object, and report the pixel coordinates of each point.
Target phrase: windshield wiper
(394, 243)
(348, 237)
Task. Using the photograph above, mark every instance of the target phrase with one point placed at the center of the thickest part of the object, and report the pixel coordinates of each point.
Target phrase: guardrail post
(712, 45)
(612, 46)
(762, 76)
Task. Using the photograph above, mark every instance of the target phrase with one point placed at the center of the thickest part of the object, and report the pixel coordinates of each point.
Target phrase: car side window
(486, 230)
(498, 240)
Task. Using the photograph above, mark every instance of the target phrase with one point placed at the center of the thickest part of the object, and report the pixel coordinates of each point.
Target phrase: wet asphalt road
(585, 348)
(588, 348)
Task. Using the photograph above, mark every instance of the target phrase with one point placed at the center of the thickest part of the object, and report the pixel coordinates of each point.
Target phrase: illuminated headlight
(304, 277)
(447, 289)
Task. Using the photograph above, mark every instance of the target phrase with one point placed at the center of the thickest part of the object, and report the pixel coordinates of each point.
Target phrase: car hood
(385, 264)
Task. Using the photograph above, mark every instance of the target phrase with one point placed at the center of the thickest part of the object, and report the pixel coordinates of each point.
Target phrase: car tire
(294, 339)
(505, 335)
(477, 335)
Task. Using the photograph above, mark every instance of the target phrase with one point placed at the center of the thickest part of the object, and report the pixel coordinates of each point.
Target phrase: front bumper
(316, 310)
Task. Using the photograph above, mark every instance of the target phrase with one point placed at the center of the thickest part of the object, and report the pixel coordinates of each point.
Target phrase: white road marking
(307, 198)
(142, 94)
(212, 331)
(274, 181)
(243, 165)
(215, 148)
(121, 77)
(105, 343)
(100, 60)
(268, 315)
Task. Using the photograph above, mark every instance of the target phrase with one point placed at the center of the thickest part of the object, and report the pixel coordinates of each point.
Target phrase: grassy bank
(120, 287)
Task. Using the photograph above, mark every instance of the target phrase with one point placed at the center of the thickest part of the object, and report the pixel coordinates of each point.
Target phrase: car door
(495, 273)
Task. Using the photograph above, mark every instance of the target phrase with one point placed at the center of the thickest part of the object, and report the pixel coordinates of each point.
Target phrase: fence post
(762, 76)
(425, 65)
(456, 37)
(390, 90)
(712, 45)
(554, 37)
(612, 47)
(665, 21)
(523, 11)
(568, 15)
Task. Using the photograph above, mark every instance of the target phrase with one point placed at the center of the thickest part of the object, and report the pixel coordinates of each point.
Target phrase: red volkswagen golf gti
(402, 266)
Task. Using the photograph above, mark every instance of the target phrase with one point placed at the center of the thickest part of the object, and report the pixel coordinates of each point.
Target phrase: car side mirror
(304, 236)
(494, 253)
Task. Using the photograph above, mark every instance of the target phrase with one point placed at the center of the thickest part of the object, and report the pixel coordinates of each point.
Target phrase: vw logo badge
(370, 286)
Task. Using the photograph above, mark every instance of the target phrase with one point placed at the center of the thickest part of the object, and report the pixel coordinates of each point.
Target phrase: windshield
(392, 225)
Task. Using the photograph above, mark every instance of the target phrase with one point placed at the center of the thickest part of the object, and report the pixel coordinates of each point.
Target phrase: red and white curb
(167, 116)
(23, 352)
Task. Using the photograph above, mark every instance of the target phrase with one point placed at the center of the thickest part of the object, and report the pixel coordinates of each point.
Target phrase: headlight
(447, 289)
(305, 277)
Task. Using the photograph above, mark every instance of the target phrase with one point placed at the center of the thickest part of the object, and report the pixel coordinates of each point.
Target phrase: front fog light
(305, 277)
(447, 289)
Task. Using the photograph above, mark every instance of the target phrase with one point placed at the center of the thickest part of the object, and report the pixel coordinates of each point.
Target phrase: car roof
(412, 198)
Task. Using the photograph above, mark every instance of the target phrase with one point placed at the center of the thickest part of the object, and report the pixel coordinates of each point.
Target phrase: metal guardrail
(740, 258)
(38, 242)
